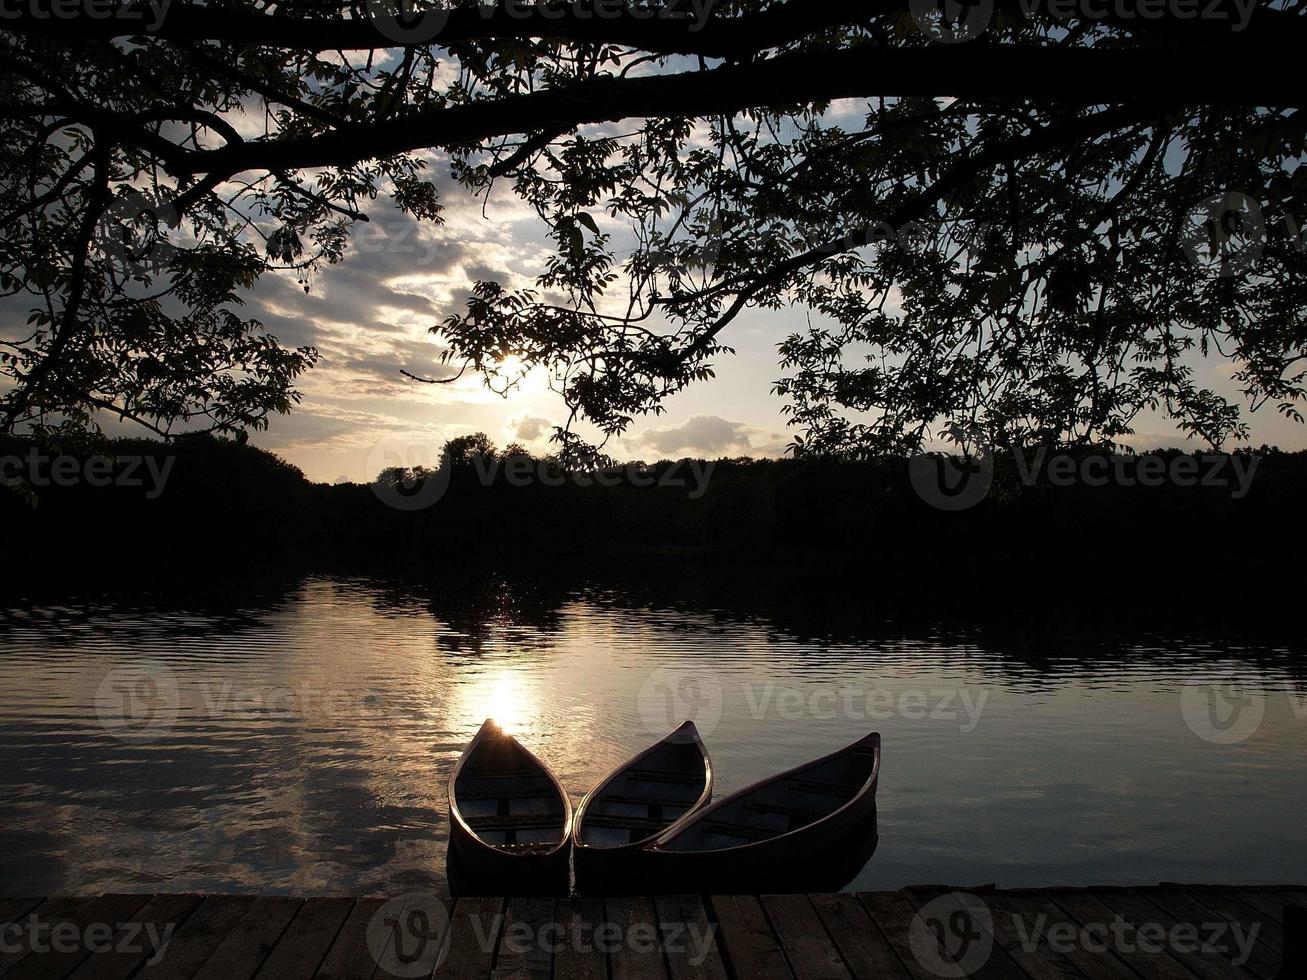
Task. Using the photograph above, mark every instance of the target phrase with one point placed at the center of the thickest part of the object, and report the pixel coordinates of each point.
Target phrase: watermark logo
(1225, 234)
(131, 232)
(952, 21)
(406, 480)
(952, 935)
(669, 697)
(408, 21)
(409, 936)
(1225, 706)
(951, 484)
(137, 702)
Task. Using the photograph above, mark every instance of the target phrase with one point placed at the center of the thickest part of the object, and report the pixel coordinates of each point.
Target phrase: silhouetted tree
(1014, 235)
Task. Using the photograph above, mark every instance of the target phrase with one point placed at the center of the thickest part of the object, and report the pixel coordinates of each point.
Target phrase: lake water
(299, 740)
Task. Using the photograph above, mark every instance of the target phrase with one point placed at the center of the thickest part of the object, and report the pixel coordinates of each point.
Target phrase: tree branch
(1047, 75)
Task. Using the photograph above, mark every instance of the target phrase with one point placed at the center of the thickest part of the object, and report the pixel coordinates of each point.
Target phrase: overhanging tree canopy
(1028, 235)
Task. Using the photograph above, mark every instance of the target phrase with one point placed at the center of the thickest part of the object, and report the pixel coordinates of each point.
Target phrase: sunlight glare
(503, 697)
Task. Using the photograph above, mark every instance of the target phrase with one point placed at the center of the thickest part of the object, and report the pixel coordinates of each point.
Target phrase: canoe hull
(607, 869)
(824, 854)
(507, 774)
(476, 868)
(808, 860)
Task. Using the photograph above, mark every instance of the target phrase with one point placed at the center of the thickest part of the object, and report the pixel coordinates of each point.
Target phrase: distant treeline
(204, 503)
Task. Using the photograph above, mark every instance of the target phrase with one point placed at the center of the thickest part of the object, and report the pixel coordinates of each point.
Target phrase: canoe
(510, 819)
(783, 829)
(631, 806)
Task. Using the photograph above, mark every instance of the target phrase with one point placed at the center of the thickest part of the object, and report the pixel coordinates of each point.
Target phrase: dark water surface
(299, 740)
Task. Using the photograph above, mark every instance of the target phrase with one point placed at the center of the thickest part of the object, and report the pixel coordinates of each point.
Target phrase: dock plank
(578, 956)
(1234, 909)
(866, 952)
(474, 929)
(198, 937)
(811, 952)
(1271, 903)
(1090, 912)
(688, 939)
(14, 909)
(523, 953)
(893, 915)
(58, 909)
(637, 955)
(134, 946)
(1033, 914)
(242, 952)
(310, 934)
(410, 937)
(1018, 949)
(348, 956)
(1258, 960)
(57, 960)
(1037, 934)
(749, 946)
(1140, 912)
(983, 956)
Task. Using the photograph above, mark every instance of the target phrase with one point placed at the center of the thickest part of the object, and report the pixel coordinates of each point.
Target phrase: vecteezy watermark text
(952, 936)
(957, 21)
(417, 22)
(407, 480)
(37, 934)
(951, 484)
(670, 695)
(409, 936)
(139, 701)
(40, 470)
(1120, 935)
(149, 13)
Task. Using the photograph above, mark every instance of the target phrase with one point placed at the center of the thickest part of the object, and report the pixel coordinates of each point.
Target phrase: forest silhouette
(226, 504)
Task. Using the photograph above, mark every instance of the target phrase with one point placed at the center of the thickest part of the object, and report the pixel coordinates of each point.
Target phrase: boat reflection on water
(828, 871)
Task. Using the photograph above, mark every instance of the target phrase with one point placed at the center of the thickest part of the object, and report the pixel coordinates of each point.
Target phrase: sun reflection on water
(503, 695)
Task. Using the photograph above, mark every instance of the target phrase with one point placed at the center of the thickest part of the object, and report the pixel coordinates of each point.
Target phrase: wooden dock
(1169, 932)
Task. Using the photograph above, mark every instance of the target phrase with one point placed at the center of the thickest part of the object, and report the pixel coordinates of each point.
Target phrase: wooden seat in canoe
(497, 774)
(784, 810)
(742, 830)
(662, 776)
(842, 790)
(542, 789)
(647, 801)
(627, 823)
(516, 821)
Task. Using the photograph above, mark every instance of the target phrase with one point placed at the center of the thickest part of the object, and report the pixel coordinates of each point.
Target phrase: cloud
(531, 428)
(704, 434)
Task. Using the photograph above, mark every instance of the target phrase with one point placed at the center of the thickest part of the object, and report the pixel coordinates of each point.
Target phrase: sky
(369, 317)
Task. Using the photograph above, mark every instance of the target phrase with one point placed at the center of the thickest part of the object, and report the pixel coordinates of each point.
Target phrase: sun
(500, 695)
